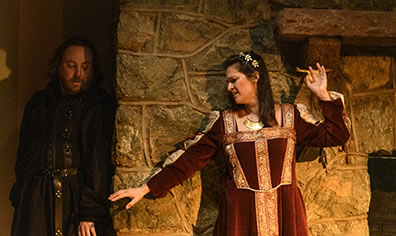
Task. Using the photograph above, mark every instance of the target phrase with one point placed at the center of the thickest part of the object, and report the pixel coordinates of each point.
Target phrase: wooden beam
(356, 28)
(326, 51)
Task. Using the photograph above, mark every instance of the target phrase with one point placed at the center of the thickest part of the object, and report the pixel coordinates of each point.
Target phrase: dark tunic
(260, 193)
(70, 132)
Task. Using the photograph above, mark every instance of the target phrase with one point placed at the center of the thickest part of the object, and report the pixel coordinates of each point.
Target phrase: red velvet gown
(260, 195)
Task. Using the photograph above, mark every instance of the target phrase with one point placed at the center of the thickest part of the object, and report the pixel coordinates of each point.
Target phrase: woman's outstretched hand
(318, 85)
(136, 194)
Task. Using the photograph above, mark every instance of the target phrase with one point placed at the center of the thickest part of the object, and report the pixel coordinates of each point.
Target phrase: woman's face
(243, 89)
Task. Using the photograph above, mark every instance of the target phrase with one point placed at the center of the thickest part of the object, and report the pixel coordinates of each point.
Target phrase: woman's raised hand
(318, 85)
(136, 194)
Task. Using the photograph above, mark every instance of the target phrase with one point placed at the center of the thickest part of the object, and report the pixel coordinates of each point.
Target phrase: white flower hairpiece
(248, 58)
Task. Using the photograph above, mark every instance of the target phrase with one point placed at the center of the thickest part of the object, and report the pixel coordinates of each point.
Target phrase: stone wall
(169, 77)
(371, 77)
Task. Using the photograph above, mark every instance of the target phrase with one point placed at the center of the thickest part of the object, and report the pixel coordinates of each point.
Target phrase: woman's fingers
(113, 197)
(322, 69)
(135, 194)
(135, 200)
(131, 203)
(312, 75)
(118, 195)
(316, 75)
(308, 80)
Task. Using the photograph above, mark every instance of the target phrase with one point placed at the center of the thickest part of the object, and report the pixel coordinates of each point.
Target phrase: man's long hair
(76, 41)
(264, 91)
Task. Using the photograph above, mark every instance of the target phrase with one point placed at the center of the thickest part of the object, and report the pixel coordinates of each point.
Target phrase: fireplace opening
(382, 211)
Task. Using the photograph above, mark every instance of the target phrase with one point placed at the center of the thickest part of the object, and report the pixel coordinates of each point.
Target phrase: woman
(260, 194)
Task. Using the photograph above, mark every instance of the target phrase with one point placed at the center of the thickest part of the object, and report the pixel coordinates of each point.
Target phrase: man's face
(75, 70)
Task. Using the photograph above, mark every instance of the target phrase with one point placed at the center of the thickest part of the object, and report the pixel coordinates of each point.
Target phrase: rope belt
(57, 174)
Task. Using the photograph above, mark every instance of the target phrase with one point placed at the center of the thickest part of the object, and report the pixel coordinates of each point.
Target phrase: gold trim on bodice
(260, 138)
(266, 194)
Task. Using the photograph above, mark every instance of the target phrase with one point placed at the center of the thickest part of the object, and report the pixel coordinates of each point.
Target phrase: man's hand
(86, 228)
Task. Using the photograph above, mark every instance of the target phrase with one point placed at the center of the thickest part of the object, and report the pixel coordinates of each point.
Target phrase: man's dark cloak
(80, 126)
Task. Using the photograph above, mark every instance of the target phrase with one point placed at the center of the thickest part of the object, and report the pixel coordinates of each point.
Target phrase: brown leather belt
(57, 174)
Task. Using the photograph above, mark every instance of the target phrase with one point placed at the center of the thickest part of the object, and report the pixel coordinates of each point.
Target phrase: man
(63, 168)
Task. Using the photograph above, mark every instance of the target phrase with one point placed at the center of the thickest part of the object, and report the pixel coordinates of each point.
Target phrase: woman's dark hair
(248, 63)
(75, 41)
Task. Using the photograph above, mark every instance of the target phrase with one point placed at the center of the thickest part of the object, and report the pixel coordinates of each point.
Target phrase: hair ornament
(248, 58)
